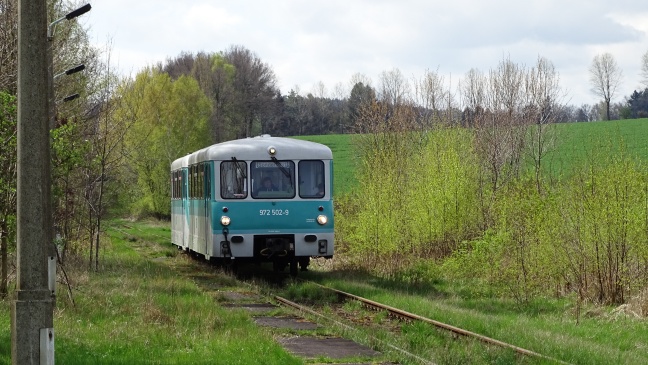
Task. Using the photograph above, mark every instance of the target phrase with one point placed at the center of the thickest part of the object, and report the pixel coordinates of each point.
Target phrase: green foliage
(605, 229)
(588, 236)
(8, 122)
(8, 170)
(169, 120)
(582, 229)
(417, 198)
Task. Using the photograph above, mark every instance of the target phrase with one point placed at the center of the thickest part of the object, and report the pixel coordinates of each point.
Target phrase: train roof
(257, 148)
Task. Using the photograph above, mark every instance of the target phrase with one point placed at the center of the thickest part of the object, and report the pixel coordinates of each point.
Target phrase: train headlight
(225, 220)
(322, 219)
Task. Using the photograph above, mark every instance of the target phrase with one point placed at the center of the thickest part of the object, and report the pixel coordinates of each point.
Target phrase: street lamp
(70, 98)
(71, 15)
(70, 71)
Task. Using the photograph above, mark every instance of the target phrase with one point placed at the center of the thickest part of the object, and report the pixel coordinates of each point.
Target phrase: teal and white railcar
(262, 199)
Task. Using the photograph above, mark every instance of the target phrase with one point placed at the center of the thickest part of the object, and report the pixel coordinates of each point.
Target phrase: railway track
(406, 316)
(403, 316)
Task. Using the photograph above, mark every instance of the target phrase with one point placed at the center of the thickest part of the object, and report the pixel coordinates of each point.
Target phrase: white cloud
(310, 41)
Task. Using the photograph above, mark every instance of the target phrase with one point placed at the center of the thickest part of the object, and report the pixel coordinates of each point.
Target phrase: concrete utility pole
(32, 329)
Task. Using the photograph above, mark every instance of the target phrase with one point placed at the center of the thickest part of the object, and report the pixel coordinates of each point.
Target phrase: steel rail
(407, 315)
(346, 326)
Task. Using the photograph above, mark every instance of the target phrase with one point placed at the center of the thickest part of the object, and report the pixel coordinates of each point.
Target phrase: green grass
(579, 143)
(547, 326)
(344, 159)
(574, 146)
(143, 307)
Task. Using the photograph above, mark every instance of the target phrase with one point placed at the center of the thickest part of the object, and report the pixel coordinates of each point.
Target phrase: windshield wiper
(283, 169)
(238, 167)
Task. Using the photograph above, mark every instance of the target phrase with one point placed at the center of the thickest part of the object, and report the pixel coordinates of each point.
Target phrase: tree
(394, 88)
(431, 95)
(361, 95)
(605, 78)
(644, 68)
(493, 108)
(254, 90)
(169, 121)
(638, 104)
(8, 122)
(8, 45)
(104, 157)
(542, 112)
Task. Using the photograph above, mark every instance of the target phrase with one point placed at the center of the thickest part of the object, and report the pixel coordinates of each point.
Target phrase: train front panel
(268, 229)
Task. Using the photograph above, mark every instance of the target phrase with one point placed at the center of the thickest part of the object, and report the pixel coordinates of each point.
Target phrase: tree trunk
(3, 253)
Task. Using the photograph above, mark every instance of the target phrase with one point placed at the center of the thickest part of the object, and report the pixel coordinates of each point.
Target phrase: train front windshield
(272, 179)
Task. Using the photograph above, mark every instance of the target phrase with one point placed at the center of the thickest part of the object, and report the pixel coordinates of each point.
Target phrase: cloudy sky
(328, 41)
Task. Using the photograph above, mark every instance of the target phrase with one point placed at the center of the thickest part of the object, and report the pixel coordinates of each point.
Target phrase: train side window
(174, 185)
(233, 180)
(191, 182)
(201, 181)
(208, 180)
(311, 179)
(178, 185)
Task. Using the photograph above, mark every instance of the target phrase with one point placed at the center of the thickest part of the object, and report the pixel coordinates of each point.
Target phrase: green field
(344, 159)
(576, 143)
(579, 142)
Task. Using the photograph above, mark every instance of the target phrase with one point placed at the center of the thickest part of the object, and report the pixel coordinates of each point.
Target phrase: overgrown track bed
(404, 316)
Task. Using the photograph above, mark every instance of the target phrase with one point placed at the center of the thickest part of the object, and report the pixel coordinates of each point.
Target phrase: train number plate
(268, 212)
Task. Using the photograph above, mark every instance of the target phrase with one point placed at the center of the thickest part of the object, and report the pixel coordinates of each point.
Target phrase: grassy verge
(146, 306)
(143, 307)
(547, 326)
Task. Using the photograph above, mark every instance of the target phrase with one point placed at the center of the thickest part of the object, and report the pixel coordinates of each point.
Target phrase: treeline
(247, 101)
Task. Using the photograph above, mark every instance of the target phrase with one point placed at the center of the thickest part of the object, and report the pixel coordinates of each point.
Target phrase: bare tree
(340, 91)
(543, 111)
(493, 108)
(358, 78)
(394, 88)
(644, 69)
(605, 78)
(431, 95)
(472, 92)
(319, 90)
(106, 134)
(8, 45)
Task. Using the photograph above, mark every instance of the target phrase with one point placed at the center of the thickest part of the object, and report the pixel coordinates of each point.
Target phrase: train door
(185, 210)
(207, 211)
(199, 209)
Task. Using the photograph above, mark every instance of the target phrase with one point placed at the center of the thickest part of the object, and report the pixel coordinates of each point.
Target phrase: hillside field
(576, 143)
